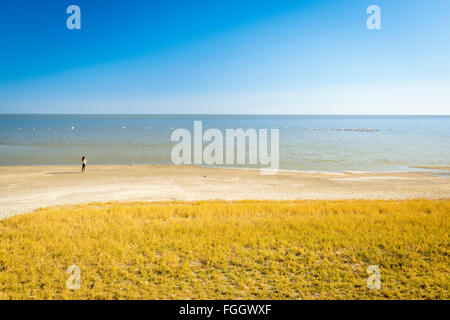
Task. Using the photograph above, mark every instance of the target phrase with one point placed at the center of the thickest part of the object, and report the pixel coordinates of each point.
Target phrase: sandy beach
(23, 189)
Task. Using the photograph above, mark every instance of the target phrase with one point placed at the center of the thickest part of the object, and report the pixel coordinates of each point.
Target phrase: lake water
(307, 143)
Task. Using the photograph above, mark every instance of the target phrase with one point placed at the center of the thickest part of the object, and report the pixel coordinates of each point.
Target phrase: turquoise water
(310, 143)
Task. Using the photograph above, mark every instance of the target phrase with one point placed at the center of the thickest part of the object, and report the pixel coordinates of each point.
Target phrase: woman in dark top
(83, 164)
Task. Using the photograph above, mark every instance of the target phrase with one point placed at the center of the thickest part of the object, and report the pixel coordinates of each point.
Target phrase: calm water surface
(316, 143)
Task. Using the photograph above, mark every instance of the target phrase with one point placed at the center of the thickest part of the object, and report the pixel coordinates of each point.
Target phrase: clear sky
(233, 56)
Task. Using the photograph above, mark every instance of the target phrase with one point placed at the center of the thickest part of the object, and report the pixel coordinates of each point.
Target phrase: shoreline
(26, 188)
(413, 169)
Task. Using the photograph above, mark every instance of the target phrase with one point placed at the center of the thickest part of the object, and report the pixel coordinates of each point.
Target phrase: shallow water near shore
(307, 143)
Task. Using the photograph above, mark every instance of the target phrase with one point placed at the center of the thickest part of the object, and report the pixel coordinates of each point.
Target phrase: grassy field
(229, 250)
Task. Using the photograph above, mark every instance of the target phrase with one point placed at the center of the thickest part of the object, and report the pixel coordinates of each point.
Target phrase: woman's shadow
(62, 172)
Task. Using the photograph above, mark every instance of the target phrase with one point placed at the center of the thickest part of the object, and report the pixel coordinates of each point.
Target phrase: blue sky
(292, 57)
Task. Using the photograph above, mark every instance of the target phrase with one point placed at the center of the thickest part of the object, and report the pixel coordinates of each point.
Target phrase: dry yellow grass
(229, 250)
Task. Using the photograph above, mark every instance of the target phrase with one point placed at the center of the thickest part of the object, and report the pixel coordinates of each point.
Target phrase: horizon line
(223, 114)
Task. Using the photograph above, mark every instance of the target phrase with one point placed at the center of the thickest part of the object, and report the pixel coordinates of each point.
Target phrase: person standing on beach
(83, 164)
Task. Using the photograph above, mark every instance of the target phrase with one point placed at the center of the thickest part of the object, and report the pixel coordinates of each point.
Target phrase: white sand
(23, 189)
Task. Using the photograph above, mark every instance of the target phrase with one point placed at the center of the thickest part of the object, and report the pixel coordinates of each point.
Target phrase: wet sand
(433, 167)
(23, 189)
